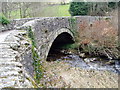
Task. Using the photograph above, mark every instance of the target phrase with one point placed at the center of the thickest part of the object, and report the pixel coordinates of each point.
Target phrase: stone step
(8, 60)
(8, 81)
(6, 69)
(5, 64)
(6, 45)
(8, 54)
(11, 45)
(7, 85)
(7, 51)
(9, 73)
(3, 44)
(3, 48)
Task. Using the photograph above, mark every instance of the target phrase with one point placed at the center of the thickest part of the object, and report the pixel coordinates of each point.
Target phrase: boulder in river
(110, 62)
(82, 55)
(90, 59)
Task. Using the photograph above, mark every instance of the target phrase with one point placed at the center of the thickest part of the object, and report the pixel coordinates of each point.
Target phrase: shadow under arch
(61, 40)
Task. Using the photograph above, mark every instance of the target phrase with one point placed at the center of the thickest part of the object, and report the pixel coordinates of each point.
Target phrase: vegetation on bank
(78, 8)
(72, 23)
(92, 8)
(4, 20)
(37, 64)
(99, 39)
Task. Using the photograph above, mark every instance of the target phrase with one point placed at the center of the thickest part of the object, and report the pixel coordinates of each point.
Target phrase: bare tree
(62, 2)
(24, 7)
(5, 9)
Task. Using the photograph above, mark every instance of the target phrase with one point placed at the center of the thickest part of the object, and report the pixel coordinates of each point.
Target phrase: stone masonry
(12, 71)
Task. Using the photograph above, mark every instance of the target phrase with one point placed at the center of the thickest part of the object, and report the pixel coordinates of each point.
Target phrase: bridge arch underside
(62, 39)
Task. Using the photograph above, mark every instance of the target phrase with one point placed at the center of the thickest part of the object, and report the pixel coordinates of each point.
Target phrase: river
(68, 70)
(94, 63)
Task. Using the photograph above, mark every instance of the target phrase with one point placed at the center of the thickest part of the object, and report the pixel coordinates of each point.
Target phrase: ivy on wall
(37, 64)
(72, 23)
(73, 27)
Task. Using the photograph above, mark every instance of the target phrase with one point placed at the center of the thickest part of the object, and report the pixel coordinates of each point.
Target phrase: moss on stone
(37, 64)
(72, 22)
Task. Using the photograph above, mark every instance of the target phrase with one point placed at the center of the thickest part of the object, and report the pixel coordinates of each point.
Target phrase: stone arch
(59, 33)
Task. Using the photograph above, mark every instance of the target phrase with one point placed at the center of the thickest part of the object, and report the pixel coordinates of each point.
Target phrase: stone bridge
(49, 33)
(54, 31)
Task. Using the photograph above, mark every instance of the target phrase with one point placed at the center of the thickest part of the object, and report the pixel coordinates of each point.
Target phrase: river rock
(110, 62)
(117, 66)
(82, 55)
(89, 59)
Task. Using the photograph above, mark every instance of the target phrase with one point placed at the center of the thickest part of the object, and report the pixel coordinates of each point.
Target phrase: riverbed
(71, 71)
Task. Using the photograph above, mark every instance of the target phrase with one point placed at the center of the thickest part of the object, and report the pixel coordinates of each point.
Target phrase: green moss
(72, 22)
(107, 18)
(73, 28)
(37, 64)
(71, 46)
(33, 82)
(43, 46)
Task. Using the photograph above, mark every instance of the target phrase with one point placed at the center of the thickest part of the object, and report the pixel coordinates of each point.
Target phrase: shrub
(102, 36)
(78, 8)
(112, 5)
(4, 20)
(91, 8)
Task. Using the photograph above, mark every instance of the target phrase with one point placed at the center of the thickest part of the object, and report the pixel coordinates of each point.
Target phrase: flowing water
(66, 69)
(87, 63)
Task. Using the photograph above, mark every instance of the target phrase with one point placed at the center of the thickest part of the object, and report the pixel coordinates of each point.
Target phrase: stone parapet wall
(6, 27)
(13, 67)
(19, 22)
(15, 23)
